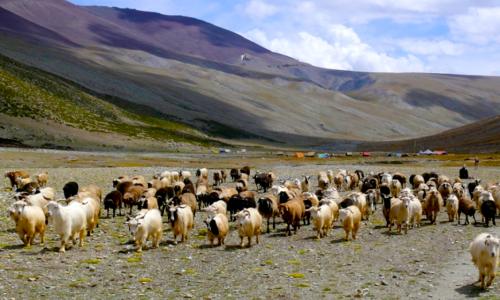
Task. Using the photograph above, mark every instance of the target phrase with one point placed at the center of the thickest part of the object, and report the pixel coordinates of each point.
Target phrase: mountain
(481, 136)
(189, 71)
(38, 109)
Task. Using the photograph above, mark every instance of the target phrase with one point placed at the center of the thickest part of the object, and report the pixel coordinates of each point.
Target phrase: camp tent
(299, 155)
(426, 152)
(366, 154)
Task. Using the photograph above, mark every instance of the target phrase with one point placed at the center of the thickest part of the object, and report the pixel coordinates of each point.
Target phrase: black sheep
(113, 200)
(70, 189)
(488, 210)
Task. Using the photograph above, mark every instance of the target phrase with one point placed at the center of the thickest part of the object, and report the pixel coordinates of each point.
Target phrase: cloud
(259, 9)
(431, 46)
(342, 49)
(478, 25)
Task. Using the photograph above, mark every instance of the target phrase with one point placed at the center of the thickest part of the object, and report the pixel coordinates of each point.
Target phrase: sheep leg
(241, 242)
(63, 242)
(268, 219)
(249, 241)
(257, 238)
(82, 236)
(491, 277)
(481, 279)
(274, 222)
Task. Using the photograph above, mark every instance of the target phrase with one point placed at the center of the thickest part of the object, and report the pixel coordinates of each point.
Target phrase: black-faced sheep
(488, 208)
(268, 208)
(217, 227)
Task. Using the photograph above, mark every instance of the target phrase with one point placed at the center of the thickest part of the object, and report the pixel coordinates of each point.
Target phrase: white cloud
(478, 25)
(431, 46)
(342, 50)
(260, 9)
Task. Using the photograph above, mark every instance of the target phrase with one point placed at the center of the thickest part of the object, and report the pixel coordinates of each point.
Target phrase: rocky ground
(428, 262)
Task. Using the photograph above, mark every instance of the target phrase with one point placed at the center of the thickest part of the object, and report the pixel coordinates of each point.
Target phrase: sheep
(417, 181)
(467, 207)
(235, 174)
(264, 181)
(496, 196)
(227, 193)
(350, 218)
(175, 176)
(432, 205)
(472, 185)
(476, 195)
(91, 191)
(113, 200)
(445, 189)
(360, 174)
(148, 203)
(458, 189)
(26, 185)
(385, 194)
(385, 178)
(241, 185)
(268, 208)
(452, 207)
(202, 173)
(309, 200)
(188, 187)
(369, 183)
(162, 196)
(30, 220)
(332, 194)
(322, 217)
(132, 196)
(202, 193)
(371, 201)
(239, 202)
(249, 223)
(415, 212)
(304, 184)
(92, 207)
(442, 179)
(183, 175)
(188, 199)
(488, 208)
(359, 199)
(395, 188)
(485, 252)
(217, 227)
(147, 225)
(401, 178)
(399, 214)
(120, 179)
(421, 192)
(155, 184)
(178, 187)
(68, 222)
(292, 212)
(41, 199)
(245, 170)
(42, 179)
(182, 221)
(333, 207)
(217, 177)
(323, 181)
(13, 175)
(338, 181)
(218, 207)
(353, 181)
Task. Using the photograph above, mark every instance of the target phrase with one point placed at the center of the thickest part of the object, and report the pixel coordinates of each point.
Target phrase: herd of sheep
(404, 201)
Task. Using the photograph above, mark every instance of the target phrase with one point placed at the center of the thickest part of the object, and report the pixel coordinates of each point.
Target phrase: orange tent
(299, 155)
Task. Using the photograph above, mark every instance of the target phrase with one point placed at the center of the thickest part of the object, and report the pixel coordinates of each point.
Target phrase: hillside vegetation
(28, 93)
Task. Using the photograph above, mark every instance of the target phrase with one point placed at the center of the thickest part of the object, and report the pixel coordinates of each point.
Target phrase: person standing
(476, 162)
(463, 173)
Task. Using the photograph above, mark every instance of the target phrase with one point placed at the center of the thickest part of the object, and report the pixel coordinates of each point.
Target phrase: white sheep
(415, 211)
(218, 207)
(395, 188)
(41, 199)
(249, 223)
(30, 220)
(485, 251)
(182, 221)
(399, 214)
(359, 200)
(218, 227)
(147, 225)
(68, 222)
(386, 178)
(322, 219)
(350, 218)
(452, 207)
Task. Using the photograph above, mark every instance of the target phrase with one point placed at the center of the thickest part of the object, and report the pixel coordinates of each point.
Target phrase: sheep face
(242, 217)
(493, 245)
(53, 208)
(133, 226)
(406, 201)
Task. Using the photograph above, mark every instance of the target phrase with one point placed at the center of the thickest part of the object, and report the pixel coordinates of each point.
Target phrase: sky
(439, 36)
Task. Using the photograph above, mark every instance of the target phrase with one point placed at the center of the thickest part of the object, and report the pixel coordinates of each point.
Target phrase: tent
(310, 154)
(348, 154)
(299, 155)
(366, 154)
(426, 152)
(323, 155)
(440, 152)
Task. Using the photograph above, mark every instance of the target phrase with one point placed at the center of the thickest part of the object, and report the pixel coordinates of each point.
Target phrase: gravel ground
(429, 262)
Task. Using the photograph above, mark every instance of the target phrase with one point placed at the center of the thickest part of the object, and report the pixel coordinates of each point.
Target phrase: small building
(310, 154)
(366, 154)
(299, 155)
(348, 154)
(323, 155)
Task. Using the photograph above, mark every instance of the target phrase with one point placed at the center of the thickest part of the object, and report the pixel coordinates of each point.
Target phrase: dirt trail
(457, 282)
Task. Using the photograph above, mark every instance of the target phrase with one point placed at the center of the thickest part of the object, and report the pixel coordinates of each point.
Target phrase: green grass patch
(302, 285)
(91, 261)
(302, 252)
(268, 262)
(144, 280)
(294, 262)
(296, 275)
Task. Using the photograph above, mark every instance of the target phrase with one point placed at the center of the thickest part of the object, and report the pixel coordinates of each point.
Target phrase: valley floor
(429, 262)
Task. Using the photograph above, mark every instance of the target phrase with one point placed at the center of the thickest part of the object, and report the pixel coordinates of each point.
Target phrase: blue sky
(445, 36)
